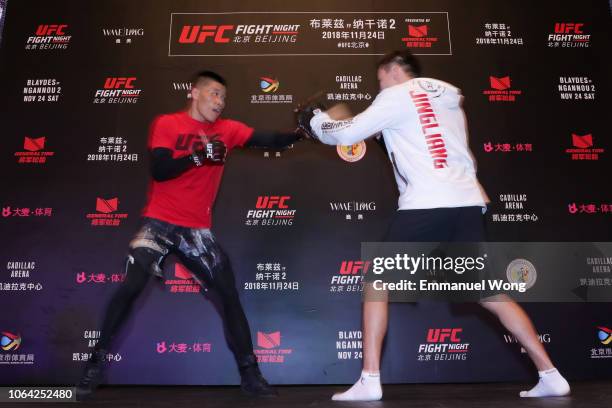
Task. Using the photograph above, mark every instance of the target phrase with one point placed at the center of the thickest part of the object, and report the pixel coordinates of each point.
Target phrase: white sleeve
(378, 116)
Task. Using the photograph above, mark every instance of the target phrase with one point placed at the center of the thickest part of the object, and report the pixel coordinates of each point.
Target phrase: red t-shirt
(187, 200)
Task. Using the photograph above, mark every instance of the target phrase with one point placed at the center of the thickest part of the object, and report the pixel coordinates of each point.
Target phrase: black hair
(405, 59)
(202, 76)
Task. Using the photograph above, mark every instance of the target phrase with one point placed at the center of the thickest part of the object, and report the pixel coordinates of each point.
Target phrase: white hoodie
(424, 129)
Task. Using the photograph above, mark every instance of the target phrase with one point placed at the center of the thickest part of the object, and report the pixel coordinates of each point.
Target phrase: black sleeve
(270, 139)
(164, 167)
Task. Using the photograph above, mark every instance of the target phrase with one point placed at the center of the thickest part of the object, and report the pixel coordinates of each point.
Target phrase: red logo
(119, 82)
(443, 335)
(418, 37)
(180, 272)
(198, 34)
(582, 142)
(568, 28)
(51, 29)
(500, 91)
(417, 31)
(34, 145)
(268, 340)
(354, 267)
(107, 206)
(268, 202)
(500, 84)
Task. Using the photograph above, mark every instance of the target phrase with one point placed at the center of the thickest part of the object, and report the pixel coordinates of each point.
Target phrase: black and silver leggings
(200, 253)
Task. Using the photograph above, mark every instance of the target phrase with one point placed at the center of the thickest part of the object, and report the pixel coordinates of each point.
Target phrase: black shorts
(459, 224)
(464, 227)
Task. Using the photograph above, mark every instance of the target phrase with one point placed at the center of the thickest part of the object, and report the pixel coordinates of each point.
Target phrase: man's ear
(195, 93)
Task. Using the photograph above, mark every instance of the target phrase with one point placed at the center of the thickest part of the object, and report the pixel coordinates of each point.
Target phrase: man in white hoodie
(424, 130)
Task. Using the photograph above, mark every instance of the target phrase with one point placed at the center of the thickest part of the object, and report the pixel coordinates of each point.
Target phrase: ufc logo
(199, 34)
(268, 202)
(121, 82)
(567, 28)
(442, 335)
(50, 29)
(353, 267)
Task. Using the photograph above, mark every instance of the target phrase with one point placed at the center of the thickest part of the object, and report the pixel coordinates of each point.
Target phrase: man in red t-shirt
(188, 150)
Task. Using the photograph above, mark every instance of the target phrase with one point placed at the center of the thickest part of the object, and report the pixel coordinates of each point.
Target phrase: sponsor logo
(347, 87)
(183, 88)
(501, 90)
(522, 271)
(41, 90)
(195, 34)
(118, 90)
(542, 338)
(123, 35)
(349, 277)
(268, 86)
(33, 151)
(490, 147)
(9, 211)
(349, 345)
(589, 208)
(183, 281)
(353, 210)
(171, 347)
(20, 269)
(270, 350)
(98, 278)
(419, 37)
(600, 265)
(10, 341)
(513, 208)
(569, 35)
(443, 345)
(268, 340)
(583, 148)
(605, 335)
(106, 214)
(49, 37)
(271, 211)
(352, 153)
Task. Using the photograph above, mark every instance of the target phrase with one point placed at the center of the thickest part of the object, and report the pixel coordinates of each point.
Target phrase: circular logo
(521, 271)
(10, 341)
(352, 153)
(605, 335)
(433, 88)
(268, 84)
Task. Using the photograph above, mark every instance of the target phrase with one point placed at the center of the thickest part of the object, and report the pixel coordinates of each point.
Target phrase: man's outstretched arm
(272, 139)
(164, 167)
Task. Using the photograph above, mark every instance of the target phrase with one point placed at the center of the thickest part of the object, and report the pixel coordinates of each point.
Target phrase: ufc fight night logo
(569, 35)
(443, 345)
(49, 37)
(271, 211)
(118, 90)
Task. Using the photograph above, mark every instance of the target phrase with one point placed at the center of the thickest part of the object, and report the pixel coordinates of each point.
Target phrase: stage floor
(584, 395)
